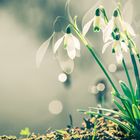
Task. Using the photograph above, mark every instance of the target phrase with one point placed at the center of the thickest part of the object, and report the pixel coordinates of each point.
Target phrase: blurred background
(42, 98)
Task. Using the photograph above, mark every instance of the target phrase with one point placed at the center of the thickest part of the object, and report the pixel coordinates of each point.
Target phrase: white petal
(129, 29)
(70, 47)
(102, 24)
(66, 64)
(108, 30)
(57, 44)
(87, 26)
(119, 56)
(106, 46)
(128, 14)
(41, 51)
(76, 42)
(71, 51)
(78, 53)
(124, 46)
(118, 23)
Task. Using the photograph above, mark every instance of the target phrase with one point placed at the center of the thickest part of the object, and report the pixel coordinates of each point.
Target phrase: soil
(94, 128)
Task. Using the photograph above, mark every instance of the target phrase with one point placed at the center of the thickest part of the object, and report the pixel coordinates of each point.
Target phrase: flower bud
(118, 37)
(116, 30)
(97, 12)
(113, 50)
(115, 14)
(68, 30)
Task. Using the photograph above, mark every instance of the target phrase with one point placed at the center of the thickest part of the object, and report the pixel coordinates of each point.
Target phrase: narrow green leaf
(126, 103)
(137, 93)
(124, 126)
(120, 97)
(126, 90)
(120, 107)
(125, 117)
(114, 93)
(136, 112)
(128, 108)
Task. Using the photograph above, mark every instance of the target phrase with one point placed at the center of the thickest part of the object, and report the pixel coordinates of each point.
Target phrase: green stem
(96, 58)
(102, 67)
(129, 79)
(136, 72)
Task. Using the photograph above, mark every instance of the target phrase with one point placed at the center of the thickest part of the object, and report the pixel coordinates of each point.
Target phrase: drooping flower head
(118, 47)
(70, 43)
(98, 21)
(117, 27)
(117, 23)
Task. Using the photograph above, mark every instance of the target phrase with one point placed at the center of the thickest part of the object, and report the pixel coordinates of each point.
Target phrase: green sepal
(68, 30)
(98, 12)
(115, 14)
(96, 29)
(104, 15)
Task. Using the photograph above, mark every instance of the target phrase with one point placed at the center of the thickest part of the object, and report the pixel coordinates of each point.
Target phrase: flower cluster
(116, 33)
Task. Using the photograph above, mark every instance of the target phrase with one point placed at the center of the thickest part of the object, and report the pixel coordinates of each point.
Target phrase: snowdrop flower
(116, 22)
(65, 56)
(117, 47)
(71, 44)
(97, 21)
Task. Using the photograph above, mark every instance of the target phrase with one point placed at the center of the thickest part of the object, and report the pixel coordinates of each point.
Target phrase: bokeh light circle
(55, 107)
(112, 68)
(100, 87)
(62, 77)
